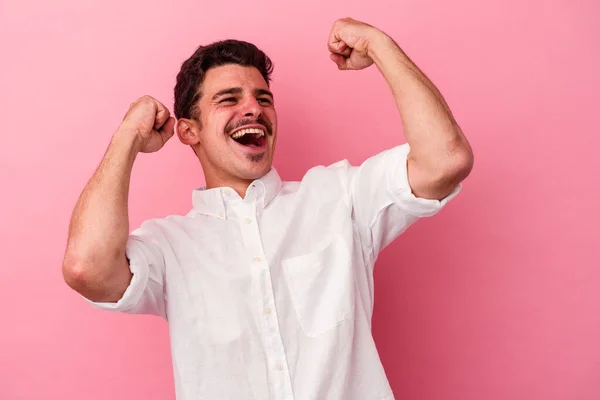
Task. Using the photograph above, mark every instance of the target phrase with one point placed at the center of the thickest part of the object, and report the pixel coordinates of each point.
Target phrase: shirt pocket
(321, 287)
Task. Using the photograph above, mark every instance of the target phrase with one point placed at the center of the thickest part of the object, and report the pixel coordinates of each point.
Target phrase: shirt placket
(261, 275)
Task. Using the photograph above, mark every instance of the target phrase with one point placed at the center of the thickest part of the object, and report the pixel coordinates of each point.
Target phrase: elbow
(460, 165)
(458, 161)
(84, 275)
(75, 273)
(444, 177)
(79, 276)
(102, 280)
(436, 177)
(449, 164)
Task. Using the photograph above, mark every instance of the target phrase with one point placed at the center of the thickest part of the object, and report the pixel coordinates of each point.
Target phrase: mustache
(247, 121)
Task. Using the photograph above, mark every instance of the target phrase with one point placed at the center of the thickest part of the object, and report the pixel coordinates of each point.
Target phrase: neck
(239, 185)
(216, 177)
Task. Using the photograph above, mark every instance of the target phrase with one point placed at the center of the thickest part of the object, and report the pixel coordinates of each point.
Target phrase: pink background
(497, 297)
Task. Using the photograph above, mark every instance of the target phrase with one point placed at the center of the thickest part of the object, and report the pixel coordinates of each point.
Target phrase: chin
(256, 171)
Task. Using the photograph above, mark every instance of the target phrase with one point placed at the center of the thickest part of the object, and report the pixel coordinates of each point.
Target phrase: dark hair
(189, 79)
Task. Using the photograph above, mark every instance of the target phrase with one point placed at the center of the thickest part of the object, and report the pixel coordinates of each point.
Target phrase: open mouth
(250, 137)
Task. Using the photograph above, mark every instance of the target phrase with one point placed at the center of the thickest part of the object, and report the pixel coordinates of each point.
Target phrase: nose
(251, 108)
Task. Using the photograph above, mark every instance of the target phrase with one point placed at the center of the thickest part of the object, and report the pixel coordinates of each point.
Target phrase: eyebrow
(262, 92)
(238, 90)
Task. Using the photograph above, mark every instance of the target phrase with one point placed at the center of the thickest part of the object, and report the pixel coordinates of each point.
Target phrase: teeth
(256, 131)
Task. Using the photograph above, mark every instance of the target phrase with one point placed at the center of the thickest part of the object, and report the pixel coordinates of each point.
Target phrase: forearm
(439, 148)
(99, 228)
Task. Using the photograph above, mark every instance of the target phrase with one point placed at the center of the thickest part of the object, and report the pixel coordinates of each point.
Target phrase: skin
(249, 103)
(440, 157)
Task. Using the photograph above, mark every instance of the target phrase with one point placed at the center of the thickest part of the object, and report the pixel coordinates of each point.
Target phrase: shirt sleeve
(383, 204)
(145, 293)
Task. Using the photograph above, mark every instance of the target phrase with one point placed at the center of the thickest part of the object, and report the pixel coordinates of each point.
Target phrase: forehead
(228, 76)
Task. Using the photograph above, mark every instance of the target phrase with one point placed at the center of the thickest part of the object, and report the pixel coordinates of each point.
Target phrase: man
(267, 285)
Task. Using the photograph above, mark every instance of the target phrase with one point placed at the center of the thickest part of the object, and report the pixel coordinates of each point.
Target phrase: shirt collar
(212, 201)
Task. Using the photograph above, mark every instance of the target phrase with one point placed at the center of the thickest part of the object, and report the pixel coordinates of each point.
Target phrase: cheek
(272, 116)
(217, 122)
(225, 121)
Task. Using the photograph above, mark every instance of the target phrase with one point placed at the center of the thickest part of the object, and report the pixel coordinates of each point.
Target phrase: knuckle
(146, 100)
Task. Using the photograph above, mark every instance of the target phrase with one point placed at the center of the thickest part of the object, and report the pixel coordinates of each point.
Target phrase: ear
(187, 131)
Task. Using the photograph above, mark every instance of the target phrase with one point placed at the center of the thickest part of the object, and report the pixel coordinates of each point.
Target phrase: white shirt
(270, 296)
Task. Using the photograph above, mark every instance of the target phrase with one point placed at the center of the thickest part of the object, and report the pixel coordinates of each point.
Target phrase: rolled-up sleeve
(383, 203)
(145, 293)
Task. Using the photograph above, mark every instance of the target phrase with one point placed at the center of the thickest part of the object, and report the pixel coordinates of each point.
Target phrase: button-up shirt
(270, 296)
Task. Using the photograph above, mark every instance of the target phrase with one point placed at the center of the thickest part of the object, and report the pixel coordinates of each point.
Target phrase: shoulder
(321, 180)
(331, 173)
(344, 169)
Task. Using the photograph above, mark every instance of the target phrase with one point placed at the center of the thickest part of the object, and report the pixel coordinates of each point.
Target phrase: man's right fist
(151, 123)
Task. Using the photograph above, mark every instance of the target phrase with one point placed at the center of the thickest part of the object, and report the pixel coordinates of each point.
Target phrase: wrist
(381, 45)
(128, 140)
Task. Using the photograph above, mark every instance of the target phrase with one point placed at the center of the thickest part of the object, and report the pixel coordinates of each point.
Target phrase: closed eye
(264, 100)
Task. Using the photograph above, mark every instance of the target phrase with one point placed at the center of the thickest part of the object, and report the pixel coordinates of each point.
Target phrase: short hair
(188, 88)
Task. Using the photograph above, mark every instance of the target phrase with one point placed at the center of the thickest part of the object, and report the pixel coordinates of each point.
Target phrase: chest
(294, 258)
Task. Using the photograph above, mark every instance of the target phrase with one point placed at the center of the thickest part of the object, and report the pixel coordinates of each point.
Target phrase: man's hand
(440, 156)
(349, 42)
(150, 122)
(95, 264)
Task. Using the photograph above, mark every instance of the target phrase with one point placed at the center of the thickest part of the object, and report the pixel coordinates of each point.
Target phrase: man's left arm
(440, 156)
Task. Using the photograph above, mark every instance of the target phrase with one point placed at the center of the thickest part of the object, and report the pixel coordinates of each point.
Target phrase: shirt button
(227, 192)
(221, 214)
(248, 221)
(278, 367)
(268, 310)
(256, 259)
(266, 202)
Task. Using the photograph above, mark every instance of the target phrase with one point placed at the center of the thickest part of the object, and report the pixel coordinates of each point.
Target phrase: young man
(267, 285)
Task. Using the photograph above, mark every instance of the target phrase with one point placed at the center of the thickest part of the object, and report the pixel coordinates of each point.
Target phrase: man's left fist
(349, 42)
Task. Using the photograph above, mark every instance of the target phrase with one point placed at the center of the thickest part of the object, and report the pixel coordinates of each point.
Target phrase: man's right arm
(95, 264)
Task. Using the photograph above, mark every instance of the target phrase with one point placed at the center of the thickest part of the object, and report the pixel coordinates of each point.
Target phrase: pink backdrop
(497, 297)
